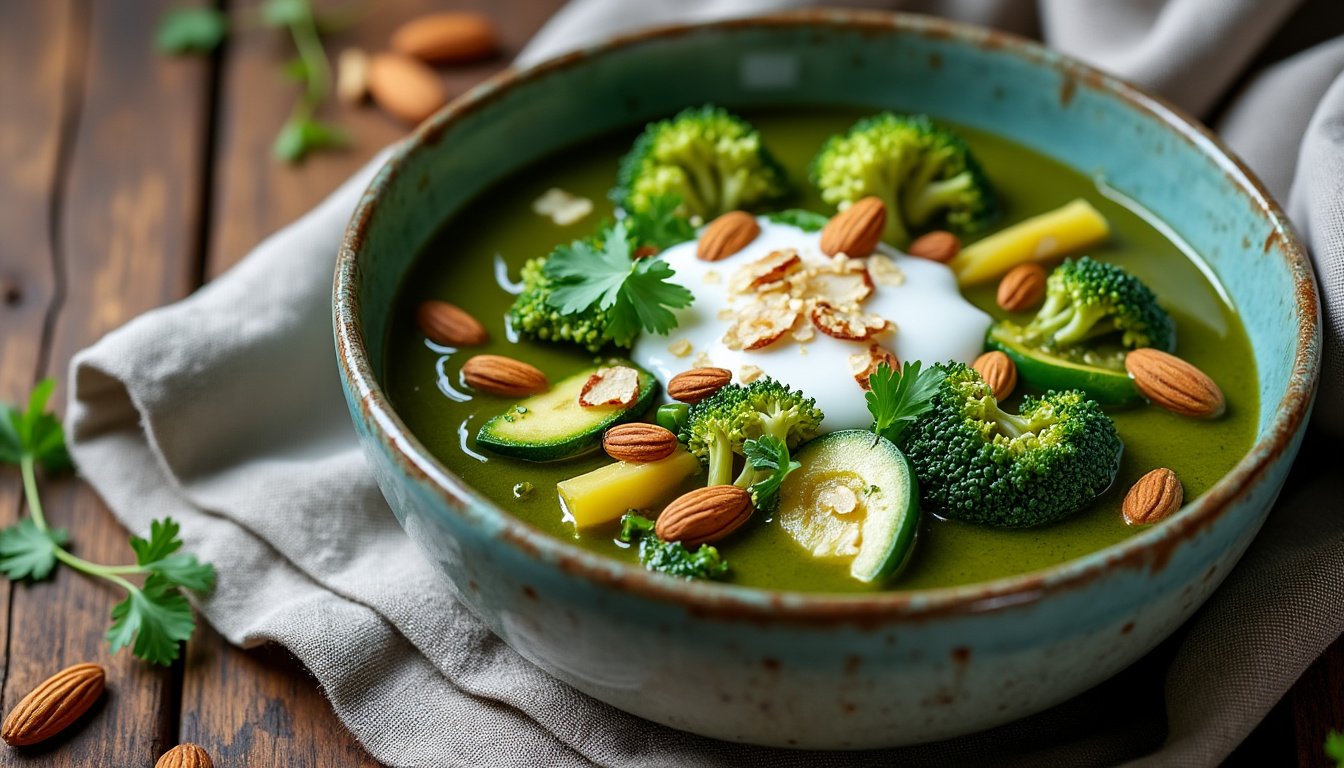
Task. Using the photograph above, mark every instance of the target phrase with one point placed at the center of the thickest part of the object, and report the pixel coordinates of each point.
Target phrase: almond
(849, 325)
(404, 87)
(865, 364)
(185, 756)
(935, 246)
(762, 322)
(1153, 498)
(698, 383)
(615, 385)
(704, 515)
(1174, 384)
(53, 705)
(727, 235)
(499, 375)
(1022, 288)
(639, 443)
(453, 37)
(998, 371)
(843, 287)
(449, 324)
(855, 231)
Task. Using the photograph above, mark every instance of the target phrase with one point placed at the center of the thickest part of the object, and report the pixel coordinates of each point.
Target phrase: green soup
(476, 252)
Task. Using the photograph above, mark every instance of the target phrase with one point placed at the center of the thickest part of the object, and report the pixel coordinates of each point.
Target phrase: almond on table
(451, 37)
(404, 87)
(53, 705)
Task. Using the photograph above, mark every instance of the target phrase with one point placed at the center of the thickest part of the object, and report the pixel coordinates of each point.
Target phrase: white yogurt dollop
(931, 322)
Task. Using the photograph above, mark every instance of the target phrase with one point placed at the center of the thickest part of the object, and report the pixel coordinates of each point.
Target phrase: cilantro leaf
(28, 552)
(191, 30)
(659, 225)
(897, 399)
(156, 555)
(768, 453)
(299, 136)
(155, 618)
(672, 558)
(1334, 746)
(11, 447)
(282, 13)
(34, 432)
(162, 541)
(808, 221)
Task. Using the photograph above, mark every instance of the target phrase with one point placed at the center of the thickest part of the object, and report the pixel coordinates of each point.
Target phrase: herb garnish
(1334, 747)
(897, 399)
(808, 221)
(671, 558)
(768, 453)
(155, 617)
(659, 226)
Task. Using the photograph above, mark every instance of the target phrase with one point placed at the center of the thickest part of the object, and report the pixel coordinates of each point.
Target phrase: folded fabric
(225, 411)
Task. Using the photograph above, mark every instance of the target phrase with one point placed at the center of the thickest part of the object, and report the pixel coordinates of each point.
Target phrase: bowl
(814, 670)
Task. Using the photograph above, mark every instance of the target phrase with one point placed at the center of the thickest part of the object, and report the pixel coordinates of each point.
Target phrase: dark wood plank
(1318, 706)
(126, 238)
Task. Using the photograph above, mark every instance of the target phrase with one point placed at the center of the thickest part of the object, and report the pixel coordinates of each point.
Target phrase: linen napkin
(224, 410)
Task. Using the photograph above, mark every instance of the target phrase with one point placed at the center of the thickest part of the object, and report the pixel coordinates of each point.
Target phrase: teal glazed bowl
(814, 670)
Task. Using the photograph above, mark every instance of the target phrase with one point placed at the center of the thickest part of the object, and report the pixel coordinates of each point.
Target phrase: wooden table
(127, 179)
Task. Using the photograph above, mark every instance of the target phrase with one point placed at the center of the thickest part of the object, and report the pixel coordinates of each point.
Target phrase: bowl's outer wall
(882, 680)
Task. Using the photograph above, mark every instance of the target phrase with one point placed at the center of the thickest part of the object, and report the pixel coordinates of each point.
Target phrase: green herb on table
(808, 221)
(672, 558)
(1334, 747)
(897, 398)
(155, 617)
(202, 30)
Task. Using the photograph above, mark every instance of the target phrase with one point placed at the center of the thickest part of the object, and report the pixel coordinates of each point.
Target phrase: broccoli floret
(926, 175)
(719, 427)
(711, 159)
(978, 463)
(532, 316)
(672, 558)
(1089, 302)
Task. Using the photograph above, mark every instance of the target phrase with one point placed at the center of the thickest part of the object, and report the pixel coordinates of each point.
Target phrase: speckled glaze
(817, 671)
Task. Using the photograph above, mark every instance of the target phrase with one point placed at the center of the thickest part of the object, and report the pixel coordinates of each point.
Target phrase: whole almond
(53, 705)
(704, 515)
(451, 37)
(998, 371)
(698, 383)
(352, 75)
(727, 235)
(937, 246)
(1174, 384)
(405, 88)
(639, 443)
(185, 756)
(855, 231)
(1022, 288)
(500, 375)
(449, 324)
(1154, 497)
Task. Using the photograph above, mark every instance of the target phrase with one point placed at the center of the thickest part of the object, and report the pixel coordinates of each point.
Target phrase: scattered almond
(1154, 497)
(855, 231)
(453, 37)
(639, 443)
(704, 515)
(697, 384)
(53, 705)
(352, 75)
(1174, 384)
(564, 208)
(1022, 288)
(185, 756)
(865, 364)
(840, 287)
(849, 325)
(404, 87)
(500, 375)
(885, 271)
(449, 324)
(773, 267)
(762, 322)
(613, 385)
(937, 246)
(998, 371)
(749, 373)
(727, 235)
(680, 347)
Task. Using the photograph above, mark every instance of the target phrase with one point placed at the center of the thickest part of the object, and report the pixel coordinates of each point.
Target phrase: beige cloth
(225, 411)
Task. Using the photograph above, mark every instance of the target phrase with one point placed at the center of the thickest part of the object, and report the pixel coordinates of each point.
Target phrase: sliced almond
(761, 322)
(937, 246)
(1174, 384)
(884, 270)
(749, 373)
(727, 235)
(771, 268)
(1154, 497)
(613, 385)
(450, 325)
(456, 37)
(639, 443)
(704, 515)
(864, 364)
(849, 325)
(845, 287)
(680, 347)
(855, 231)
(504, 376)
(53, 705)
(698, 383)
(405, 88)
(998, 371)
(1022, 288)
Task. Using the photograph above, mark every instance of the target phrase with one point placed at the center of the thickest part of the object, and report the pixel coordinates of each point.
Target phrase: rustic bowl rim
(1151, 548)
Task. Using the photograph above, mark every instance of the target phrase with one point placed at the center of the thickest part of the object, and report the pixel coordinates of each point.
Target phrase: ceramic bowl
(809, 670)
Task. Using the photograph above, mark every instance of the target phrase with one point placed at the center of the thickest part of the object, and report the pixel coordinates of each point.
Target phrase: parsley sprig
(768, 453)
(896, 399)
(155, 617)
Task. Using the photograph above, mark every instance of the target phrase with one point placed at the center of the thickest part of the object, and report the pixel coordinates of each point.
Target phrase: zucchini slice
(854, 497)
(1044, 371)
(552, 425)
